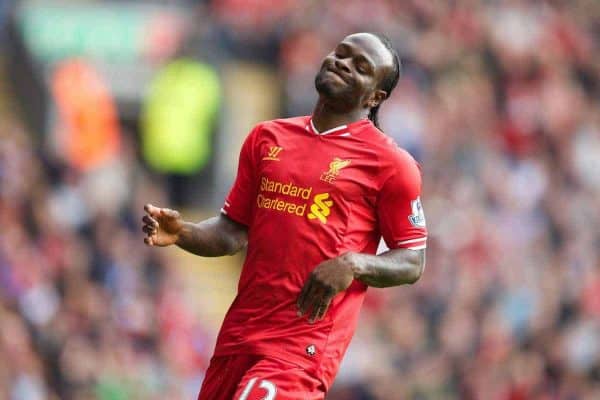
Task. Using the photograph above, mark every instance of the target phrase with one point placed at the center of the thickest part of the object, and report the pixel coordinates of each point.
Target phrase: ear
(376, 98)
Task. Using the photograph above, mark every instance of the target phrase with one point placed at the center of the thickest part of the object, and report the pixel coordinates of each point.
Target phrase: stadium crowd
(499, 101)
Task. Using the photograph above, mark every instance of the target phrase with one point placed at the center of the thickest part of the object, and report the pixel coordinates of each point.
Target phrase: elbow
(417, 266)
(232, 247)
(230, 251)
(234, 236)
(414, 274)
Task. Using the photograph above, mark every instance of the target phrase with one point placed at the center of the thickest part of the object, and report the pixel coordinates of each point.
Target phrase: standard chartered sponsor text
(288, 189)
(268, 186)
(280, 205)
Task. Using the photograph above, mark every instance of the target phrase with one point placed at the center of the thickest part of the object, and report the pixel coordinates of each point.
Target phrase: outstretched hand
(162, 226)
(327, 280)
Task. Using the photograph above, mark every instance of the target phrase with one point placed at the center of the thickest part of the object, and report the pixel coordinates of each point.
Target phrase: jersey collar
(342, 130)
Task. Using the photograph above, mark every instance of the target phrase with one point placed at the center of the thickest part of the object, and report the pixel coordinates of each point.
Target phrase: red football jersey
(307, 197)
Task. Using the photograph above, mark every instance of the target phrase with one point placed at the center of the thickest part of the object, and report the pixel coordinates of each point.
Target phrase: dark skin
(348, 86)
(214, 237)
(348, 81)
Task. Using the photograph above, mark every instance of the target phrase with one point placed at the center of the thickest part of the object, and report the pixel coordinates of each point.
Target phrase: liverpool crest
(334, 169)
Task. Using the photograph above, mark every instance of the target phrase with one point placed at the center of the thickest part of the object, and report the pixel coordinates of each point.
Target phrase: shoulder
(283, 123)
(388, 151)
(273, 132)
(399, 157)
(279, 126)
(395, 161)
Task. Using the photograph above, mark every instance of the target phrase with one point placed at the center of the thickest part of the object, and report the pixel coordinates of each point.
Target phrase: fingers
(320, 308)
(302, 302)
(155, 212)
(150, 234)
(150, 225)
(147, 220)
(167, 212)
(151, 210)
(315, 299)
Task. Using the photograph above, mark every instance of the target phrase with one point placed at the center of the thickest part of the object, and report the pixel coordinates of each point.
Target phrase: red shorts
(249, 377)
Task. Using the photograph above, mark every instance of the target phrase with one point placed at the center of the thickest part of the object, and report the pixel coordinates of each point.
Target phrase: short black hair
(389, 82)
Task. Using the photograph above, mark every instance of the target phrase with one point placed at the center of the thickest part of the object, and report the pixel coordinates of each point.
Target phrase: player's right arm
(214, 237)
(225, 234)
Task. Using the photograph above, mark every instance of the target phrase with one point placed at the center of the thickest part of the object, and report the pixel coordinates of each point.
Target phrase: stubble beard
(335, 96)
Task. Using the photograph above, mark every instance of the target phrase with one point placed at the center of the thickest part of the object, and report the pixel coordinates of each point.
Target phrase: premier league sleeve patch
(417, 218)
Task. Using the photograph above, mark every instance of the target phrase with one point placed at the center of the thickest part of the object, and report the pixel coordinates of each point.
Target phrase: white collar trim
(327, 132)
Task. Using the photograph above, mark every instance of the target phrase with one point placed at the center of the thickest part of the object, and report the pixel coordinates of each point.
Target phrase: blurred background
(107, 105)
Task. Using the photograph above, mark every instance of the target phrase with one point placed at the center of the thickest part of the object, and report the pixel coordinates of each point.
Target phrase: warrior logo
(273, 153)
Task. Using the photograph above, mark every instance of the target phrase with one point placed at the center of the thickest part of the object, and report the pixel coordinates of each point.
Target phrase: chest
(296, 165)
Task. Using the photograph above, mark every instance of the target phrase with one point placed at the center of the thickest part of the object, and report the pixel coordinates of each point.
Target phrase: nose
(342, 66)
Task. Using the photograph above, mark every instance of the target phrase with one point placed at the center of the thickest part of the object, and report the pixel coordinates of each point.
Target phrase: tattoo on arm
(392, 268)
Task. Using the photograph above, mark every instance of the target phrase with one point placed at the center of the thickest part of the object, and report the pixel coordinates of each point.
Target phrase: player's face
(352, 72)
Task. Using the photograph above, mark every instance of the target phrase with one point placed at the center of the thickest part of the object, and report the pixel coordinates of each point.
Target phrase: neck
(325, 117)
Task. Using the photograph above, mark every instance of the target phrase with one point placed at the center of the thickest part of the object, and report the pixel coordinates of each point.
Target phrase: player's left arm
(402, 225)
(392, 268)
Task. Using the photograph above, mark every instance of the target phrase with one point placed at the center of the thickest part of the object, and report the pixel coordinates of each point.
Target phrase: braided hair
(389, 82)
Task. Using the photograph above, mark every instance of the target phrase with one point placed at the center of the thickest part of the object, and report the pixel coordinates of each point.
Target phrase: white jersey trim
(412, 240)
(328, 131)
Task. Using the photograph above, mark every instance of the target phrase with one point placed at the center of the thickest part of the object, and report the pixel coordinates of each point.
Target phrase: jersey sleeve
(239, 203)
(399, 209)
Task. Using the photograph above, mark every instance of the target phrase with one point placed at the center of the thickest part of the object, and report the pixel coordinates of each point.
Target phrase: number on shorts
(264, 384)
